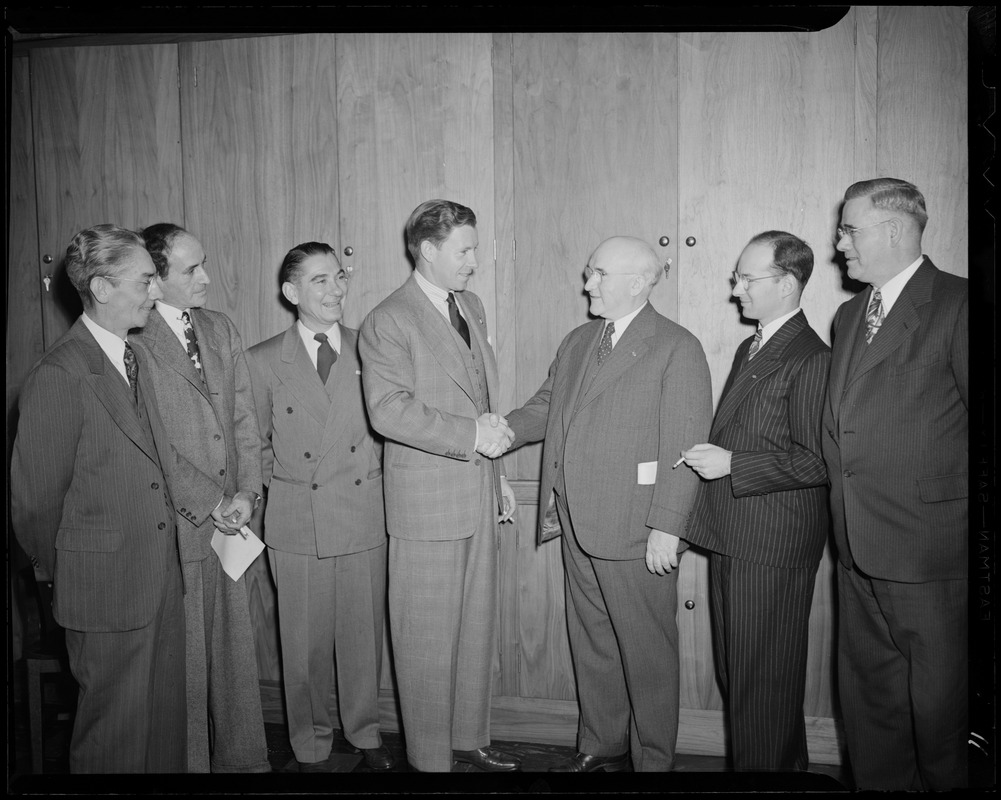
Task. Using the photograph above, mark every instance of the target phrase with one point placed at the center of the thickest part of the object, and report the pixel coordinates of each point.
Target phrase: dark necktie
(190, 342)
(605, 347)
(755, 344)
(874, 315)
(132, 370)
(456, 319)
(325, 357)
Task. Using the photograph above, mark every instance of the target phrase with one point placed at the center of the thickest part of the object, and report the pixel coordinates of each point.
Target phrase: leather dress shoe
(488, 759)
(313, 766)
(377, 758)
(582, 762)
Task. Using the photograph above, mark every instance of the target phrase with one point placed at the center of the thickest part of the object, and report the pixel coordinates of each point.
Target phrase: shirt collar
(890, 291)
(769, 330)
(112, 344)
(622, 323)
(333, 336)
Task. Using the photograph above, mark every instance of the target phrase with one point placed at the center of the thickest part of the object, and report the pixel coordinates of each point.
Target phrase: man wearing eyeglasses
(91, 507)
(762, 508)
(895, 424)
(624, 395)
(202, 384)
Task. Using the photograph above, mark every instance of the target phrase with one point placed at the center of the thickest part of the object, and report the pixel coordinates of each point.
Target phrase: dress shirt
(890, 291)
(621, 324)
(767, 331)
(313, 346)
(112, 345)
(172, 316)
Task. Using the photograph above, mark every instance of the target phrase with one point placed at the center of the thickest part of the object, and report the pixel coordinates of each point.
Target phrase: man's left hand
(234, 515)
(661, 552)
(508, 501)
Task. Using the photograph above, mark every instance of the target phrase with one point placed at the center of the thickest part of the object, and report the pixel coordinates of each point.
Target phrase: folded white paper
(646, 473)
(235, 552)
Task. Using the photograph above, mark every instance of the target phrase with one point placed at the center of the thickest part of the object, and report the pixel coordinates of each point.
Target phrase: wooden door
(107, 141)
(595, 155)
(766, 143)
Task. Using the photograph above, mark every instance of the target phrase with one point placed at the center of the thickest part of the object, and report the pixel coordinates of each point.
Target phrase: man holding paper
(324, 523)
(624, 395)
(202, 384)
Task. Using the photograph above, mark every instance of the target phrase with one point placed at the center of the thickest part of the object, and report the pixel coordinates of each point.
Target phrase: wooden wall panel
(107, 145)
(595, 142)
(415, 122)
(260, 163)
(922, 119)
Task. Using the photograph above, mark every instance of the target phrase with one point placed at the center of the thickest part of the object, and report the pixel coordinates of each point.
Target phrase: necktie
(132, 370)
(874, 316)
(190, 342)
(325, 356)
(755, 345)
(606, 343)
(456, 319)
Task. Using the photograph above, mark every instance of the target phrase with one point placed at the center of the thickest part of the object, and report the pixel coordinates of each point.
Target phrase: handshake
(493, 436)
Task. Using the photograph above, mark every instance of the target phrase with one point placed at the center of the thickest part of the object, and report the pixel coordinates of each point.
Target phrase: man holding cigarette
(202, 384)
(625, 393)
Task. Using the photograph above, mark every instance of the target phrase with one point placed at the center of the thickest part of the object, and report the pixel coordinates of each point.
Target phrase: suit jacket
(896, 425)
(650, 400)
(212, 423)
(772, 507)
(320, 459)
(89, 488)
(421, 399)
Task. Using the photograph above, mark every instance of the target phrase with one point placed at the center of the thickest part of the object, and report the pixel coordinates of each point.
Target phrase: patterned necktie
(325, 357)
(456, 319)
(606, 343)
(132, 370)
(755, 345)
(874, 316)
(190, 342)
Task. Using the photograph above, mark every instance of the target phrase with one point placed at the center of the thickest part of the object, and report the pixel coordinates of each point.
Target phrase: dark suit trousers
(225, 719)
(903, 680)
(623, 630)
(761, 625)
(130, 714)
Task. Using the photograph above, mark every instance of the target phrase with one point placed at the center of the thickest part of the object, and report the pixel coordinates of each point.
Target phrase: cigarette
(679, 462)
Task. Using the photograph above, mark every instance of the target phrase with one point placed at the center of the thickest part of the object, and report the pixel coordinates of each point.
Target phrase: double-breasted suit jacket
(425, 388)
(91, 505)
(766, 524)
(325, 529)
(212, 424)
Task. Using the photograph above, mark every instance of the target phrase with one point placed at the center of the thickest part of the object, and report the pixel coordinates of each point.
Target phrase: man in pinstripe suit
(896, 424)
(91, 507)
(430, 383)
(762, 508)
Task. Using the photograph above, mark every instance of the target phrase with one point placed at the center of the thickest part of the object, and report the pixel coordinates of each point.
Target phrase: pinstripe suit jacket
(321, 462)
(896, 425)
(421, 399)
(772, 507)
(650, 400)
(212, 424)
(89, 499)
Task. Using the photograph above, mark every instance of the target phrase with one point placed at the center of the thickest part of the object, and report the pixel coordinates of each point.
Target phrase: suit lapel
(296, 371)
(478, 330)
(627, 351)
(209, 348)
(436, 329)
(577, 360)
(168, 351)
(750, 374)
(901, 323)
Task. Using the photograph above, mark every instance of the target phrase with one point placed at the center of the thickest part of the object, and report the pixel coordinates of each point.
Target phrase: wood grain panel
(699, 689)
(866, 80)
(260, 161)
(415, 118)
(595, 138)
(821, 658)
(922, 119)
(107, 146)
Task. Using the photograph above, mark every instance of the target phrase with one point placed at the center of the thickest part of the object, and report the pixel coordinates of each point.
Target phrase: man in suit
(762, 508)
(625, 394)
(430, 384)
(324, 522)
(896, 423)
(202, 384)
(91, 507)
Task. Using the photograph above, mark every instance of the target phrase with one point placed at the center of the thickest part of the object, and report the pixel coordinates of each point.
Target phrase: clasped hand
(233, 513)
(493, 436)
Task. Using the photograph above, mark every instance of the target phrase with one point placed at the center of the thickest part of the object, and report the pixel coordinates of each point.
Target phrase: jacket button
(847, 473)
(306, 455)
(353, 448)
(477, 462)
(161, 526)
(315, 486)
(222, 472)
(154, 486)
(289, 409)
(358, 482)
(217, 437)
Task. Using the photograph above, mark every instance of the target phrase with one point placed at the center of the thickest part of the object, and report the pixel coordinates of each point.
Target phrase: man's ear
(291, 292)
(100, 289)
(428, 250)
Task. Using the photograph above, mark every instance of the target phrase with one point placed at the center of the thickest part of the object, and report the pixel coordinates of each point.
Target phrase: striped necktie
(874, 316)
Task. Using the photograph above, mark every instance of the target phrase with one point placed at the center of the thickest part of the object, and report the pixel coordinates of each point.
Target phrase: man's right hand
(493, 436)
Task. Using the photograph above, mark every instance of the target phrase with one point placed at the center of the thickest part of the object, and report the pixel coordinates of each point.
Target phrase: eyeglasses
(147, 282)
(746, 282)
(851, 230)
(588, 272)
